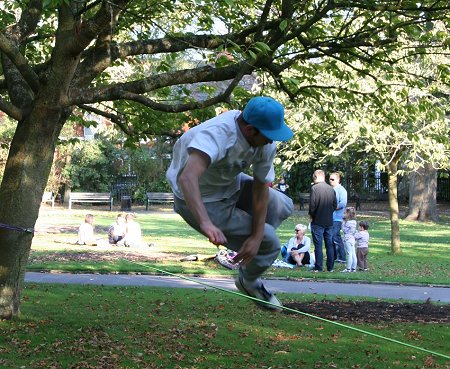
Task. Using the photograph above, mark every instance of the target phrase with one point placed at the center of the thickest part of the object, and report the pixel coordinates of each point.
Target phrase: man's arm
(260, 202)
(312, 204)
(342, 201)
(188, 180)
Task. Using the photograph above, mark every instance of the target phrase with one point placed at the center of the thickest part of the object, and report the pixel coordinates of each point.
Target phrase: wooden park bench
(91, 197)
(158, 197)
(303, 198)
(49, 197)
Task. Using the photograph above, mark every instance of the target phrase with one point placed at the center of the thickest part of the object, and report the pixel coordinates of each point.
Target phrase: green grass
(138, 327)
(424, 259)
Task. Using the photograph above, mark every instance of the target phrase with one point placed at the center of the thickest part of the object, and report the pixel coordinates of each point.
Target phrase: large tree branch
(263, 20)
(29, 20)
(19, 76)
(102, 55)
(171, 44)
(11, 110)
(97, 59)
(105, 18)
(395, 7)
(173, 108)
(117, 91)
(19, 61)
(118, 119)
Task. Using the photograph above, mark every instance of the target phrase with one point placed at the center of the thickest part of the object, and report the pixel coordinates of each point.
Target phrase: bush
(96, 166)
(92, 167)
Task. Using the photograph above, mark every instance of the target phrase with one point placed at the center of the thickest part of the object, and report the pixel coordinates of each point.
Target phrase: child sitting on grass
(362, 248)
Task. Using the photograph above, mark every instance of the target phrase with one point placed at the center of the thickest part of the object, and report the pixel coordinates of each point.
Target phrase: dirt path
(375, 311)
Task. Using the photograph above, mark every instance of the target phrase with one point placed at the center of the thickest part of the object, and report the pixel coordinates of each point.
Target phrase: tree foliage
(96, 166)
(401, 119)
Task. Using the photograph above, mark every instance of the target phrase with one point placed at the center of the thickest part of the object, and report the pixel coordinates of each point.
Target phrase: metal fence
(376, 187)
(443, 189)
(363, 185)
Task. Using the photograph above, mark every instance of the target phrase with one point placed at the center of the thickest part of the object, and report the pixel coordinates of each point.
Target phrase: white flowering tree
(399, 119)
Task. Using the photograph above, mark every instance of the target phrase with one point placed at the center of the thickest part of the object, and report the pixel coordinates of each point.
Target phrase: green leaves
(258, 49)
(51, 4)
(283, 25)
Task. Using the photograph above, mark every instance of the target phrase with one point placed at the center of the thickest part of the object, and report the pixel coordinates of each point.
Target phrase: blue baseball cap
(267, 115)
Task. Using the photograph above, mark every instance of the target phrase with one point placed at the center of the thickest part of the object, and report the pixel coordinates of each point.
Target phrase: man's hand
(214, 234)
(196, 165)
(248, 250)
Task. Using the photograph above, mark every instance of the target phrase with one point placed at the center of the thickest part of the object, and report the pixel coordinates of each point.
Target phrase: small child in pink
(362, 248)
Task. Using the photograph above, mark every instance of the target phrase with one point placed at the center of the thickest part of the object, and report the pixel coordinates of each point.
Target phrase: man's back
(322, 204)
(229, 153)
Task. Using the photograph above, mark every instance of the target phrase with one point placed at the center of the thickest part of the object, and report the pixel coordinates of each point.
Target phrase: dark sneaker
(258, 291)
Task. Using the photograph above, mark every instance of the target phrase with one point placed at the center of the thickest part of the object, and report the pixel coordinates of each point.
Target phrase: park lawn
(424, 259)
(71, 326)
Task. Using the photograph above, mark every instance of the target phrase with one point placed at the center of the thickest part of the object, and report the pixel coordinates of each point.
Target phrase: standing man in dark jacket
(322, 203)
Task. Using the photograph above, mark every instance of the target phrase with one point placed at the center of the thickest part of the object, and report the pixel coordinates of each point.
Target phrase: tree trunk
(25, 177)
(422, 194)
(393, 206)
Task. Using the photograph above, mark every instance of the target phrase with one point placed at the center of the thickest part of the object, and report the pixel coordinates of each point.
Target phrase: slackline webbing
(16, 228)
(294, 311)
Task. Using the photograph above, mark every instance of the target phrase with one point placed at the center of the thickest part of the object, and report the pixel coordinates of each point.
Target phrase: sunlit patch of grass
(424, 258)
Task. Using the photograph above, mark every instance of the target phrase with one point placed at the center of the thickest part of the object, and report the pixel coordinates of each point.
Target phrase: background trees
(58, 58)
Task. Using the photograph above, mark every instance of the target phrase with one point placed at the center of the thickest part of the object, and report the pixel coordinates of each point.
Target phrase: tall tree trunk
(422, 194)
(25, 177)
(393, 206)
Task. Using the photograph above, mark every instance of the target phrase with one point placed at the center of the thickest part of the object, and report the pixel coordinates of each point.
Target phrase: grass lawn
(425, 256)
(129, 327)
(75, 326)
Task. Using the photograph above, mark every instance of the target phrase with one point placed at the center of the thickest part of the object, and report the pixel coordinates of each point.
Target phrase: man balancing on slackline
(216, 198)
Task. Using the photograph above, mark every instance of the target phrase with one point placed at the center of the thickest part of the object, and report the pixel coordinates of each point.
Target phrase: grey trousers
(233, 216)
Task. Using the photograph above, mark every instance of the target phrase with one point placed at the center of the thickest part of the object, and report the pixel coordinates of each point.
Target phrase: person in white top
(86, 231)
(117, 230)
(230, 208)
(297, 249)
(349, 229)
(133, 236)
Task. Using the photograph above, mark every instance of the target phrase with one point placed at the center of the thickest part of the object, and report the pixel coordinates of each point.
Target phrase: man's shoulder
(221, 126)
(323, 186)
(341, 188)
(225, 120)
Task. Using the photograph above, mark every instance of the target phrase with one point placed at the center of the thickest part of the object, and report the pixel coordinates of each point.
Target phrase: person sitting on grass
(117, 230)
(133, 235)
(86, 232)
(297, 249)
